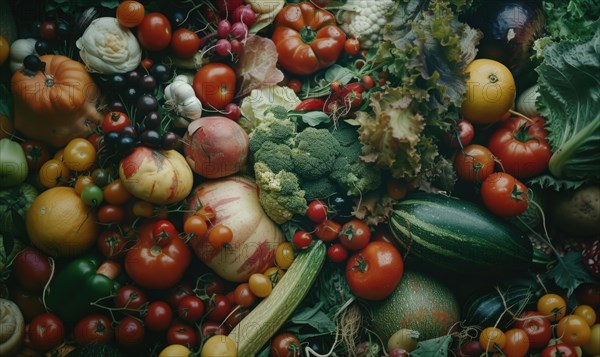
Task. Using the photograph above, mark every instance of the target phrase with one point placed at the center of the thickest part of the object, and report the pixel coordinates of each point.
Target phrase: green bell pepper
(79, 284)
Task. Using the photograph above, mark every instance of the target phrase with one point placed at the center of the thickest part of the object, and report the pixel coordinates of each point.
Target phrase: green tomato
(92, 195)
(13, 163)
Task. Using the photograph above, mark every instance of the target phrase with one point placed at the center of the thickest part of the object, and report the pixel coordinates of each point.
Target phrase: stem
(568, 148)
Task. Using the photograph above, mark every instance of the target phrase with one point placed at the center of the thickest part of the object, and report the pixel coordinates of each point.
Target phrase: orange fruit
(60, 224)
(490, 92)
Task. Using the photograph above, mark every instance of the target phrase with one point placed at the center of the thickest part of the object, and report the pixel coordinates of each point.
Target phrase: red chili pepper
(311, 104)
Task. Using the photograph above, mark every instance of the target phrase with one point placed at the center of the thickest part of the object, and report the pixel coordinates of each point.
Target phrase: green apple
(13, 163)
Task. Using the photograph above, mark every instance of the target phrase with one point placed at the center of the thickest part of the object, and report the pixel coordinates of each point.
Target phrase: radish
(223, 47)
(223, 28)
(239, 31)
(244, 14)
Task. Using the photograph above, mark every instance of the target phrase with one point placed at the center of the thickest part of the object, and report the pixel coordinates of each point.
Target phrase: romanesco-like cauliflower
(365, 19)
(280, 194)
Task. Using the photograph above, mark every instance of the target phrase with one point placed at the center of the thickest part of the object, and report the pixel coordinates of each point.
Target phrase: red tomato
(559, 350)
(218, 307)
(243, 296)
(214, 85)
(374, 272)
(460, 135)
(154, 33)
(179, 292)
(36, 153)
(32, 269)
(352, 46)
(521, 146)
(130, 297)
(285, 345)
(182, 334)
(210, 328)
(536, 326)
(115, 193)
(111, 244)
(328, 230)
(517, 343)
(190, 308)
(158, 316)
(306, 38)
(474, 163)
(504, 195)
(337, 253)
(110, 214)
(94, 328)
(185, 43)
(355, 235)
(129, 332)
(46, 331)
(164, 232)
(146, 260)
(115, 121)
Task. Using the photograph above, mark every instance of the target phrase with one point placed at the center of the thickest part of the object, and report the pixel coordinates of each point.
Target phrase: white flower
(107, 47)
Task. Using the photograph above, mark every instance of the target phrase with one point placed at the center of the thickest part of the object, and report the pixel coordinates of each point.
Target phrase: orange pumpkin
(57, 104)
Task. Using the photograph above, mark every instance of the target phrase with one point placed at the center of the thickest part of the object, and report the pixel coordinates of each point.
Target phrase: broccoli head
(352, 174)
(314, 153)
(278, 131)
(319, 189)
(277, 157)
(280, 194)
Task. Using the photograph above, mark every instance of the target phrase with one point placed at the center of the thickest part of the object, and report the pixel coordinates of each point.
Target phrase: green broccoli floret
(280, 194)
(319, 189)
(276, 156)
(315, 153)
(353, 175)
(272, 129)
(278, 111)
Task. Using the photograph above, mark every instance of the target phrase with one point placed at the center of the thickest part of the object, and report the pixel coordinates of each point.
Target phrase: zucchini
(255, 330)
(497, 307)
(455, 235)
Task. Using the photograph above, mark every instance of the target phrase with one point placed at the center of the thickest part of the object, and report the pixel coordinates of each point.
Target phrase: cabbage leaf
(569, 99)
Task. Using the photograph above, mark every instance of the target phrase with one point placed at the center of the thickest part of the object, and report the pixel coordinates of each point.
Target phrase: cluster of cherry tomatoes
(551, 330)
(517, 149)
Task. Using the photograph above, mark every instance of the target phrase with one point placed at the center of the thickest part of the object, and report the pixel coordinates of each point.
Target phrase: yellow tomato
(4, 50)
(219, 346)
(284, 255)
(53, 173)
(490, 92)
(492, 339)
(175, 350)
(574, 330)
(587, 312)
(552, 306)
(79, 154)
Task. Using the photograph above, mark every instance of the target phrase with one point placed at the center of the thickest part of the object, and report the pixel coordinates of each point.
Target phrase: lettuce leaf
(571, 19)
(425, 52)
(569, 99)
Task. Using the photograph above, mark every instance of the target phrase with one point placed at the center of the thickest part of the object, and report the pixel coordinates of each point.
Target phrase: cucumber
(455, 235)
(270, 314)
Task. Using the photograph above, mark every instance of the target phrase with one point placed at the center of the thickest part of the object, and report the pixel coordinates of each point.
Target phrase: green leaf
(339, 73)
(569, 272)
(569, 99)
(433, 347)
(549, 181)
(315, 118)
(314, 317)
